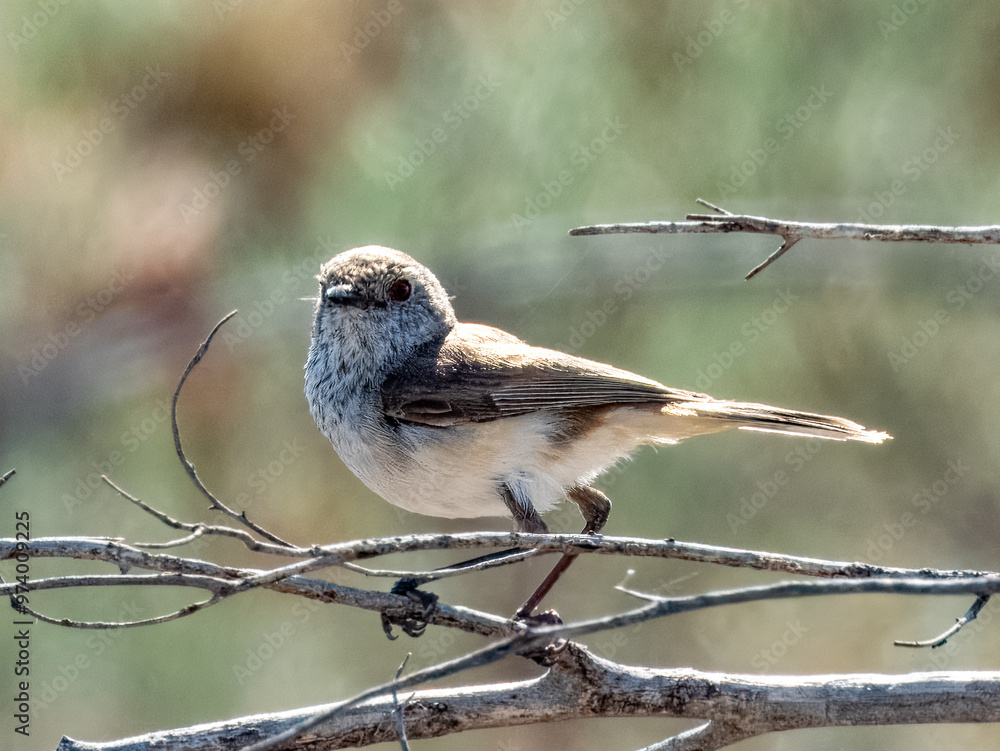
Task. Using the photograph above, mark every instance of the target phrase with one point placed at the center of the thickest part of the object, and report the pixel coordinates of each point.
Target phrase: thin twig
(220, 590)
(787, 244)
(127, 557)
(338, 553)
(478, 658)
(792, 232)
(446, 571)
(713, 734)
(400, 720)
(713, 207)
(787, 241)
(189, 467)
(937, 641)
(661, 605)
(103, 625)
(710, 224)
(198, 528)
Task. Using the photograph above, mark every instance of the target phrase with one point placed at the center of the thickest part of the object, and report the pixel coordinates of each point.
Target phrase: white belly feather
(455, 472)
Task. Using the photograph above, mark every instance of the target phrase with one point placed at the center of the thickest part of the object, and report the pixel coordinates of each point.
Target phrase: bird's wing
(479, 373)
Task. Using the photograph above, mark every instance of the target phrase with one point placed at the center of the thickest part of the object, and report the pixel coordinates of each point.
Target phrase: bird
(465, 420)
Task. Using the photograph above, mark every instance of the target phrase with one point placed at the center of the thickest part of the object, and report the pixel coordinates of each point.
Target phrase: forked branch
(791, 232)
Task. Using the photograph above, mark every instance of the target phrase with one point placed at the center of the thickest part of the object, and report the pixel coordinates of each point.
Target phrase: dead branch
(581, 685)
(188, 466)
(791, 232)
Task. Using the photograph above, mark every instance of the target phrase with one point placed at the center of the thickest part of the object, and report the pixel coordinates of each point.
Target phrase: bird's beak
(342, 294)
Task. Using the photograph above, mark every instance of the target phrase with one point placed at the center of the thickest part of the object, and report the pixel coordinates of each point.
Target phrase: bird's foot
(411, 626)
(546, 655)
(539, 620)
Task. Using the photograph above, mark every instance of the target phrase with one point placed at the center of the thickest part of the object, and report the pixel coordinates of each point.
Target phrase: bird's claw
(535, 620)
(411, 626)
(547, 654)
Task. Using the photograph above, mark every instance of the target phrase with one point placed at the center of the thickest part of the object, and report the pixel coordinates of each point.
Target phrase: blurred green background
(162, 163)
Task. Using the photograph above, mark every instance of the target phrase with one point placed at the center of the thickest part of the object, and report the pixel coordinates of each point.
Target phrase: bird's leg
(526, 519)
(595, 507)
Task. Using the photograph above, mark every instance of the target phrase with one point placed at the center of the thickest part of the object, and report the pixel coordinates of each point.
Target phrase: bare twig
(713, 734)
(220, 590)
(712, 206)
(788, 241)
(337, 554)
(478, 658)
(597, 696)
(189, 467)
(197, 529)
(126, 557)
(661, 605)
(398, 710)
(446, 571)
(786, 245)
(937, 641)
(898, 581)
(792, 232)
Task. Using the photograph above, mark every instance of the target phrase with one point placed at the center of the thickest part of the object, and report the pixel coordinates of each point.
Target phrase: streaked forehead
(369, 262)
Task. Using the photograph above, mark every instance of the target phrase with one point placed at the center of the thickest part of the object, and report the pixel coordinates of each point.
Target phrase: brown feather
(479, 373)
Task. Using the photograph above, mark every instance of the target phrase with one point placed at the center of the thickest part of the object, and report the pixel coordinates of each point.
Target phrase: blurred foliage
(164, 162)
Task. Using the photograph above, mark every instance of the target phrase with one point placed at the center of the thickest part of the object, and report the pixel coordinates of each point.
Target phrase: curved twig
(960, 623)
(198, 529)
(189, 467)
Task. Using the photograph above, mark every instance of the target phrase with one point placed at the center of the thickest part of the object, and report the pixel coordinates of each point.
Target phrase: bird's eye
(400, 290)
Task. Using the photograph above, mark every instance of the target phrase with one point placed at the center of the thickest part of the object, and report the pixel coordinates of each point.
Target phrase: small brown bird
(458, 419)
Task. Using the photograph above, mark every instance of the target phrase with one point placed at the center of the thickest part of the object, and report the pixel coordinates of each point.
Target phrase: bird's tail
(762, 418)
